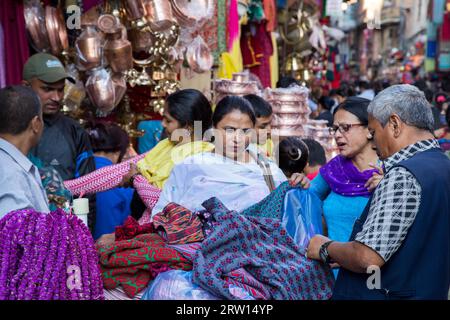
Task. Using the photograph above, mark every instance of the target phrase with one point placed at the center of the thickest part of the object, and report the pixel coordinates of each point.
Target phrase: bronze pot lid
(108, 23)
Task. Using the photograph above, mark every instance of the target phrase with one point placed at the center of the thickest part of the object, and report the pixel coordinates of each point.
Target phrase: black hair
(365, 84)
(316, 152)
(108, 137)
(429, 95)
(293, 155)
(261, 107)
(230, 103)
(18, 106)
(285, 82)
(356, 106)
(345, 91)
(190, 105)
(326, 102)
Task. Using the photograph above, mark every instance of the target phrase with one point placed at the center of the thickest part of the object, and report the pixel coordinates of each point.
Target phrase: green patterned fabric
(272, 205)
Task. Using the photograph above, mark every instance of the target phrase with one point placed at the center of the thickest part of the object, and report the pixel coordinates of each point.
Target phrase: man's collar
(410, 151)
(52, 119)
(16, 154)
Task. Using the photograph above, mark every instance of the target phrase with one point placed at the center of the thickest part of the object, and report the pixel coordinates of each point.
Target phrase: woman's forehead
(236, 119)
(342, 116)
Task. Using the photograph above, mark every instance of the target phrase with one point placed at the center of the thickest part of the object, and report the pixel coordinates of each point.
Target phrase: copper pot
(199, 56)
(89, 46)
(159, 14)
(56, 30)
(118, 52)
(189, 13)
(100, 89)
(107, 23)
(135, 9)
(120, 87)
(141, 39)
(35, 24)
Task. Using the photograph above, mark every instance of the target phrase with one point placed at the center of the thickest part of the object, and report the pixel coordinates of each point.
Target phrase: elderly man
(400, 246)
(21, 127)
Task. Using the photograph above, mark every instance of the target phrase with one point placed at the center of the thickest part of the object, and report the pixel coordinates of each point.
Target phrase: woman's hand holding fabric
(126, 181)
(299, 179)
(373, 181)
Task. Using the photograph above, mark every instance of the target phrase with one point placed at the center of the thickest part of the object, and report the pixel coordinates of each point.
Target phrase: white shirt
(198, 178)
(20, 182)
(367, 94)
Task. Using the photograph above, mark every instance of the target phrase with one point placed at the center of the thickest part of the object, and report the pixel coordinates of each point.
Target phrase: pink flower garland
(36, 251)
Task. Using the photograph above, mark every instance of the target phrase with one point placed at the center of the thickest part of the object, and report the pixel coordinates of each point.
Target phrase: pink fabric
(148, 193)
(102, 179)
(146, 217)
(233, 24)
(15, 39)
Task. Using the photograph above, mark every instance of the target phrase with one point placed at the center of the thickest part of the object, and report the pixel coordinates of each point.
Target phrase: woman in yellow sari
(182, 110)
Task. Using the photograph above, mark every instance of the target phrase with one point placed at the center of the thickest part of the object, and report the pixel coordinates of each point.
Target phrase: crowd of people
(383, 201)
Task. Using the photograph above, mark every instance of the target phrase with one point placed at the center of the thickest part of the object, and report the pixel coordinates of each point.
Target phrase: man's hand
(106, 240)
(314, 247)
(299, 179)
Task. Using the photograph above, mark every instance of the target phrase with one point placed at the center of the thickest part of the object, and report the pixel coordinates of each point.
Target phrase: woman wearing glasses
(346, 182)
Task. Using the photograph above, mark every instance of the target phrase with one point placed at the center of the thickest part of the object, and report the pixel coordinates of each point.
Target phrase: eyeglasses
(343, 127)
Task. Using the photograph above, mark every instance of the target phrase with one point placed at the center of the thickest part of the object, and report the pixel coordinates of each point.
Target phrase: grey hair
(406, 101)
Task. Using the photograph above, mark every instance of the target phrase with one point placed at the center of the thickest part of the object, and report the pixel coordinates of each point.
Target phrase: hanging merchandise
(231, 60)
(89, 47)
(256, 47)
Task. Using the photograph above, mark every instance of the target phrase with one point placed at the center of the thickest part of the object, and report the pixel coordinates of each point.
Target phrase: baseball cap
(45, 67)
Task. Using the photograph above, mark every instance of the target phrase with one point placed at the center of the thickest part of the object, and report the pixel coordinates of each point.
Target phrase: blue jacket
(113, 206)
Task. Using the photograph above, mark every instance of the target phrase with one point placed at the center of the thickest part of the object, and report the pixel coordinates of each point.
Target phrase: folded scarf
(178, 225)
(133, 263)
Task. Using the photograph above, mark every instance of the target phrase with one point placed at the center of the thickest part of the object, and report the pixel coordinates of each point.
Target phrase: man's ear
(26, 83)
(36, 124)
(396, 124)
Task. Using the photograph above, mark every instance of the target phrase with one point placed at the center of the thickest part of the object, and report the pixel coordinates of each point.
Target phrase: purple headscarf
(344, 178)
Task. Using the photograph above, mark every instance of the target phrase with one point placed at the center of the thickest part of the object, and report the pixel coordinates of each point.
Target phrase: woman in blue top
(110, 143)
(346, 182)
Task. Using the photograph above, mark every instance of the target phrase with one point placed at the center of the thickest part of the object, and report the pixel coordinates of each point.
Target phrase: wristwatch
(323, 252)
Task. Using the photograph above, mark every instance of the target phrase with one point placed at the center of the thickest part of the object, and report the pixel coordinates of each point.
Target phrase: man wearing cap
(64, 144)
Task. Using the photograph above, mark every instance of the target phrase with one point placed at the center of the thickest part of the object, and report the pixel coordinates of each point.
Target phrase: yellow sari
(159, 162)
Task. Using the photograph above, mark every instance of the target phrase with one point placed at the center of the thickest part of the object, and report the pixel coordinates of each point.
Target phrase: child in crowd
(292, 154)
(263, 112)
(316, 160)
(110, 144)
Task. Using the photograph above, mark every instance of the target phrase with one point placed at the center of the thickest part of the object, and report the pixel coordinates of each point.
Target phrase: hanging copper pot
(189, 13)
(89, 47)
(118, 52)
(141, 39)
(159, 14)
(135, 9)
(100, 89)
(35, 23)
(56, 30)
(198, 56)
(108, 23)
(120, 87)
